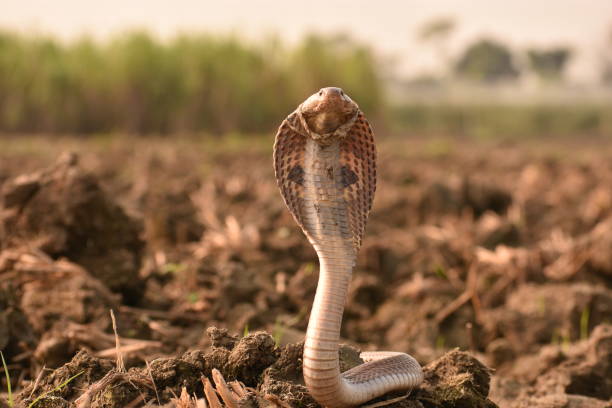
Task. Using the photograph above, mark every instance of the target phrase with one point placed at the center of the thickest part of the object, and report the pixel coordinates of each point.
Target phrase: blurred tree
(549, 64)
(606, 74)
(437, 29)
(437, 33)
(486, 61)
(606, 70)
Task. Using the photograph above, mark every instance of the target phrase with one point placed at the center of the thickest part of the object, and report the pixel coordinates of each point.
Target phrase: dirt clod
(251, 355)
(457, 380)
(64, 211)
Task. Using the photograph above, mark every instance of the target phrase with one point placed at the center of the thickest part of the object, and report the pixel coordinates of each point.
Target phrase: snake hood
(327, 114)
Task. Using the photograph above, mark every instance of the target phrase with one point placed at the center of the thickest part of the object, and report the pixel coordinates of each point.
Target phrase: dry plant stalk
(223, 390)
(210, 393)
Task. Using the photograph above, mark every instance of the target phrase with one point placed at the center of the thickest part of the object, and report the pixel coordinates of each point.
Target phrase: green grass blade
(8, 381)
(277, 333)
(584, 323)
(59, 387)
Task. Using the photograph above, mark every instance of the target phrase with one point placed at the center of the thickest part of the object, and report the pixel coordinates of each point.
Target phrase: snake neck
(325, 222)
(321, 366)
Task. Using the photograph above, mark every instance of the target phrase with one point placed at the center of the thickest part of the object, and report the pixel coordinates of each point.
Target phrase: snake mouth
(327, 111)
(327, 122)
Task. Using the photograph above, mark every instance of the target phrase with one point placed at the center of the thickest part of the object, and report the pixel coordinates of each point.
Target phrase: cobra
(325, 165)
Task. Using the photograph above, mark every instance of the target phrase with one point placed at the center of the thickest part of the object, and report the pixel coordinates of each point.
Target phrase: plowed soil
(490, 263)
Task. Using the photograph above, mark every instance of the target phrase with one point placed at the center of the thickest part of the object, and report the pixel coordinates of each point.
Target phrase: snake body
(325, 165)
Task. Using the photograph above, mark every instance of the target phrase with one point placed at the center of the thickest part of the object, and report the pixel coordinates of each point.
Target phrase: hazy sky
(389, 26)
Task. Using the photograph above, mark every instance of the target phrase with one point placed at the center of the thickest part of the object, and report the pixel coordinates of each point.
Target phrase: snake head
(328, 110)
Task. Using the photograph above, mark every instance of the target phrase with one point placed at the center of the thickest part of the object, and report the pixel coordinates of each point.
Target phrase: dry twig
(120, 362)
(152, 381)
(223, 390)
(211, 395)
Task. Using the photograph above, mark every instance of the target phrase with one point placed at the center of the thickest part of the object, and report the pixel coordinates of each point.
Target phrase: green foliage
(495, 121)
(486, 61)
(137, 83)
(549, 63)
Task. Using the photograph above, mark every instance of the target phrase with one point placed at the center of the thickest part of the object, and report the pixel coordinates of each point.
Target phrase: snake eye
(321, 92)
(341, 92)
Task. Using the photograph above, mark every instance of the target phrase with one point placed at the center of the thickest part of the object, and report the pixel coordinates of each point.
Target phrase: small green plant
(439, 271)
(245, 332)
(173, 268)
(565, 342)
(59, 387)
(541, 305)
(309, 268)
(277, 333)
(559, 338)
(193, 297)
(584, 323)
(280, 326)
(8, 381)
(554, 340)
(440, 342)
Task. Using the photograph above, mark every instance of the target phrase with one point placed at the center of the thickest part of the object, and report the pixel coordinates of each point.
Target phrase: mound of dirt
(38, 295)
(269, 373)
(562, 376)
(63, 211)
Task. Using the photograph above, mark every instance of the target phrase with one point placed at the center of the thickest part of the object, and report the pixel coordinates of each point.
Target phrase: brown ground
(504, 252)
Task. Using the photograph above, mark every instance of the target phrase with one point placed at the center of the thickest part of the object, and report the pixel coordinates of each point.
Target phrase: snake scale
(325, 165)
